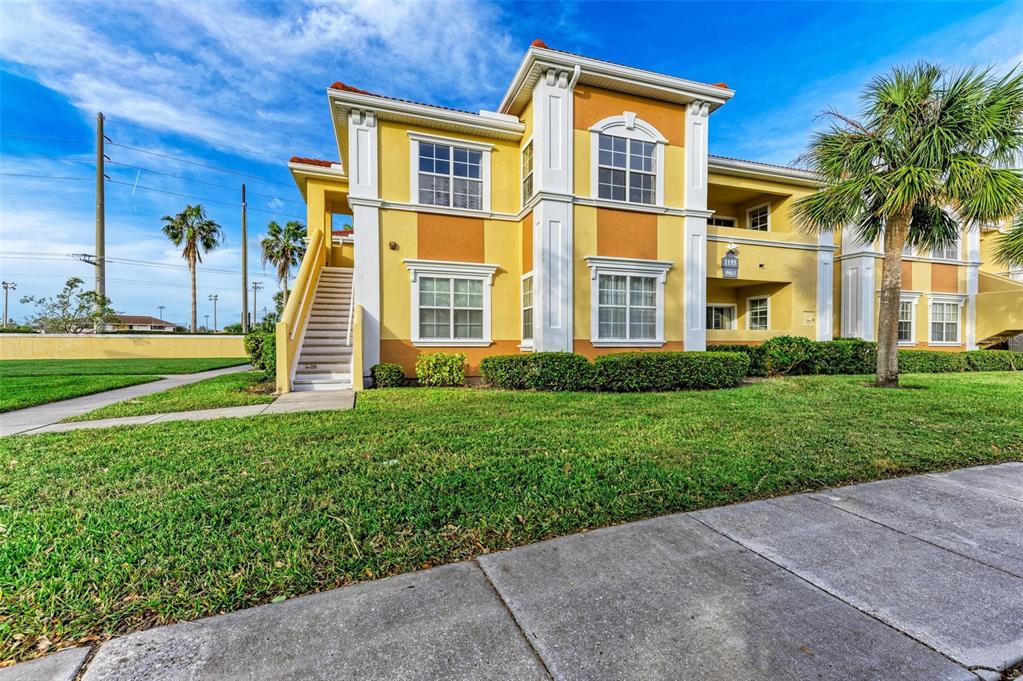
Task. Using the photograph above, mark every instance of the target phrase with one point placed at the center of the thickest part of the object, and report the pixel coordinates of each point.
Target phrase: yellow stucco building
(586, 214)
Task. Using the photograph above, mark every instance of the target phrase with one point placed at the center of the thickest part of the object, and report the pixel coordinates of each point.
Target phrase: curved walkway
(34, 418)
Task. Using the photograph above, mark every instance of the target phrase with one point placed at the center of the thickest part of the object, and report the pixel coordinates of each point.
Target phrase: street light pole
(161, 308)
(256, 285)
(8, 287)
(213, 297)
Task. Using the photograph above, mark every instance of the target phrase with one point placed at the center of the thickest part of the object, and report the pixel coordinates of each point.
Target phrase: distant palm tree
(1009, 247)
(198, 234)
(283, 247)
(931, 155)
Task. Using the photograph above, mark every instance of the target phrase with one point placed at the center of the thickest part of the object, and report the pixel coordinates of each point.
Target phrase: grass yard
(19, 392)
(109, 531)
(230, 390)
(67, 367)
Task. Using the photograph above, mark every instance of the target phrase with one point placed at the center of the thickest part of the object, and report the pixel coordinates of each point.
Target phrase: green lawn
(66, 367)
(230, 390)
(19, 392)
(107, 531)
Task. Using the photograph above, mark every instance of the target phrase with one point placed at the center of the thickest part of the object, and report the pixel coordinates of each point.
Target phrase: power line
(189, 179)
(28, 255)
(46, 177)
(203, 199)
(196, 163)
(46, 139)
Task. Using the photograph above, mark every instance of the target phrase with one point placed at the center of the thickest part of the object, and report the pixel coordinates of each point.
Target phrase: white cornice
(611, 76)
(771, 243)
(752, 169)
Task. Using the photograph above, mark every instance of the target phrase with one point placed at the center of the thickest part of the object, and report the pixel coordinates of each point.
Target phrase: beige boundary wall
(119, 346)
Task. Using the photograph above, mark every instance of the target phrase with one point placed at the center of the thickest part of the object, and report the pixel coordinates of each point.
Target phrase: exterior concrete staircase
(325, 357)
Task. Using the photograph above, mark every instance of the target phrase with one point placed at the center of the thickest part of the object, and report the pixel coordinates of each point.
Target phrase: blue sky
(240, 87)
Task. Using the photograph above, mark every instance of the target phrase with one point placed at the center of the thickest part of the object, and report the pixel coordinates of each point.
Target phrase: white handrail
(351, 311)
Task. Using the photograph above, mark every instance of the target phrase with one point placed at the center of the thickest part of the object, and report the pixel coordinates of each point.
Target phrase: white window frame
(735, 221)
(912, 299)
(532, 171)
(456, 270)
(485, 162)
(749, 210)
(734, 315)
(749, 317)
(946, 300)
(958, 252)
(627, 267)
(629, 126)
(527, 343)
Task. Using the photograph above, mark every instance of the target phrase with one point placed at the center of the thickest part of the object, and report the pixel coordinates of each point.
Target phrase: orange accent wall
(625, 234)
(527, 243)
(944, 278)
(907, 275)
(447, 237)
(404, 353)
(585, 348)
(592, 105)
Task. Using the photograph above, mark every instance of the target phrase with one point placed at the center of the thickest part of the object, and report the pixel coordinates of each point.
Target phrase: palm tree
(284, 247)
(930, 154)
(198, 234)
(1009, 248)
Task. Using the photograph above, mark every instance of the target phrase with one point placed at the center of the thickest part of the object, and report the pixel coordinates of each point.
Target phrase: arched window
(627, 160)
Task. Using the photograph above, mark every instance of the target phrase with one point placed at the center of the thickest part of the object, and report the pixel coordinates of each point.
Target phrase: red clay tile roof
(539, 43)
(312, 161)
(723, 86)
(338, 85)
(347, 231)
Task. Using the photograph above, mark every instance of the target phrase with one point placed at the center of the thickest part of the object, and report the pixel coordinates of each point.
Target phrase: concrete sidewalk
(33, 424)
(25, 420)
(916, 578)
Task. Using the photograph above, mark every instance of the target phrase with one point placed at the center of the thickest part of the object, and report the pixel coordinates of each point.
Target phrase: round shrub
(993, 360)
(441, 369)
(754, 352)
(387, 375)
(665, 371)
(790, 355)
(506, 371)
(559, 371)
(269, 355)
(254, 348)
(931, 361)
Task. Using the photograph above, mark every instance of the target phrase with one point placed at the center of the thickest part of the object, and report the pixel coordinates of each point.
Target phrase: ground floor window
(907, 321)
(450, 302)
(720, 317)
(944, 322)
(527, 308)
(758, 313)
(627, 300)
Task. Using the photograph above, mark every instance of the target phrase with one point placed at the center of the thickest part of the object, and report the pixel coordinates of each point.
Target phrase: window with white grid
(527, 173)
(944, 322)
(759, 218)
(527, 308)
(627, 307)
(906, 321)
(450, 308)
(450, 176)
(946, 252)
(758, 313)
(627, 169)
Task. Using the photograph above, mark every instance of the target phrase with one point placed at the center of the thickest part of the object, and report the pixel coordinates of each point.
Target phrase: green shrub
(254, 348)
(790, 355)
(387, 375)
(931, 361)
(269, 355)
(993, 360)
(559, 371)
(754, 352)
(506, 371)
(846, 356)
(439, 369)
(664, 371)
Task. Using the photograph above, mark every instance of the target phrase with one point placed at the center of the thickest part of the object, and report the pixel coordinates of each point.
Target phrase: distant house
(138, 323)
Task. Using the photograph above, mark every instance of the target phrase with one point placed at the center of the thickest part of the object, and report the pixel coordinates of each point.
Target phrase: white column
(825, 286)
(858, 259)
(364, 198)
(972, 286)
(552, 216)
(695, 230)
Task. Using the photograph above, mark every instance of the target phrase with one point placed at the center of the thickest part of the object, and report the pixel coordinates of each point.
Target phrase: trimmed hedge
(268, 352)
(387, 375)
(756, 355)
(254, 348)
(790, 355)
(441, 369)
(552, 371)
(845, 356)
(931, 361)
(665, 371)
(993, 360)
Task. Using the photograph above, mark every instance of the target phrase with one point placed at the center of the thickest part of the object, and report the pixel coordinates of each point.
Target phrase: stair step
(306, 366)
(328, 335)
(321, 345)
(321, 376)
(316, 387)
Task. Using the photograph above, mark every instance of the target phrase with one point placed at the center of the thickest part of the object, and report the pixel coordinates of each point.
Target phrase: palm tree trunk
(887, 375)
(191, 268)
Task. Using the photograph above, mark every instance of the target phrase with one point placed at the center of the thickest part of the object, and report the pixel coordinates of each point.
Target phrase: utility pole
(256, 285)
(213, 297)
(8, 287)
(161, 308)
(101, 217)
(245, 267)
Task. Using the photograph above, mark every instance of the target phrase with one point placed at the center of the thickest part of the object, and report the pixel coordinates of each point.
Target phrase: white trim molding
(825, 286)
(656, 269)
(415, 138)
(628, 126)
(450, 270)
(958, 299)
(972, 287)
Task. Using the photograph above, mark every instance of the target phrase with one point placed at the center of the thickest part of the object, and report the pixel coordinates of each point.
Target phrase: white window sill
(446, 343)
(618, 343)
(945, 343)
(526, 347)
(907, 343)
(450, 210)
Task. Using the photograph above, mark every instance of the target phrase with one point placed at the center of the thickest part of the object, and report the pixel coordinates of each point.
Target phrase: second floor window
(759, 218)
(450, 176)
(527, 172)
(946, 252)
(626, 170)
